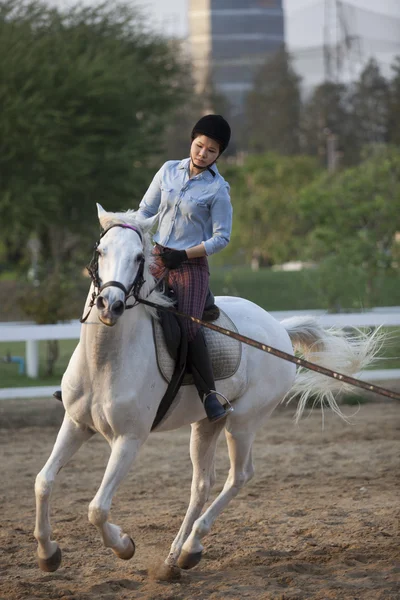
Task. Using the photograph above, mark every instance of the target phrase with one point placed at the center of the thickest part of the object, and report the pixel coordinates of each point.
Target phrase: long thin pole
(327, 43)
(279, 353)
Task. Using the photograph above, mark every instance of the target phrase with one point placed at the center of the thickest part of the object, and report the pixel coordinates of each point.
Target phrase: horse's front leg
(69, 440)
(123, 452)
(203, 442)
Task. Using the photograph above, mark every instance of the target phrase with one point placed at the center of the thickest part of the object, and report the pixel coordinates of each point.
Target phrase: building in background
(229, 40)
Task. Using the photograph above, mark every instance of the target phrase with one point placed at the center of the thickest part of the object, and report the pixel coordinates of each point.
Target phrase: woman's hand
(173, 259)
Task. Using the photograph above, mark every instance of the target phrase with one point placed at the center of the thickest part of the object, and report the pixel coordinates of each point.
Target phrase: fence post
(32, 358)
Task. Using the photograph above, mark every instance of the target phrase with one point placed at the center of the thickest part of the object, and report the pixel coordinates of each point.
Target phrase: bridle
(93, 269)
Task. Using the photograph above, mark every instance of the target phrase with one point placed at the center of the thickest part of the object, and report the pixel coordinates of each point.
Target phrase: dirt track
(318, 521)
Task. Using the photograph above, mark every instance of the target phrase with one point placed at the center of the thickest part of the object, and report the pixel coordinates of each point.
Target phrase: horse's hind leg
(123, 453)
(241, 471)
(69, 440)
(203, 441)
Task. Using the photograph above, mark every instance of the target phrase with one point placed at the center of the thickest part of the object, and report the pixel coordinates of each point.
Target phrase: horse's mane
(131, 217)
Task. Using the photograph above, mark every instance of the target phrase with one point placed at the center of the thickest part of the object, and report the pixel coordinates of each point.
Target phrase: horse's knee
(239, 478)
(203, 489)
(97, 515)
(42, 487)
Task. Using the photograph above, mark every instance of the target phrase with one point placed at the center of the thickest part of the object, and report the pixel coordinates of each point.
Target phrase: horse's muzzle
(109, 313)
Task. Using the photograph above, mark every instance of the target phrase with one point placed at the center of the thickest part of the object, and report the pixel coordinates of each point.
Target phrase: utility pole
(349, 46)
(331, 150)
(331, 73)
(329, 43)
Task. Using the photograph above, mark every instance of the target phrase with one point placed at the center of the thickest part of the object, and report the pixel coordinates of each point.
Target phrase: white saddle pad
(225, 352)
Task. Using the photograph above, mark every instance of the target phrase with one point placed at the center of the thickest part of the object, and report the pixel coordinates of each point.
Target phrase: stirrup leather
(227, 410)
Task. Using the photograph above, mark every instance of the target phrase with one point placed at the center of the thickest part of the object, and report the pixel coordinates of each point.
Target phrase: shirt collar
(211, 172)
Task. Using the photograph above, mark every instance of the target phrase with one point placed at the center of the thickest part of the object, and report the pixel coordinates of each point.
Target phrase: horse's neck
(102, 344)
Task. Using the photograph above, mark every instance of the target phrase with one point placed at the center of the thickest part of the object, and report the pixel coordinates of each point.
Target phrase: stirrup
(228, 406)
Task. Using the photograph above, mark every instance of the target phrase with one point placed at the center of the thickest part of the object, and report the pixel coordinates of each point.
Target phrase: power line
(351, 35)
(372, 13)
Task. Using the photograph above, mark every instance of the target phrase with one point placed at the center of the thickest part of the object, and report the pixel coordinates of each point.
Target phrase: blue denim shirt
(192, 211)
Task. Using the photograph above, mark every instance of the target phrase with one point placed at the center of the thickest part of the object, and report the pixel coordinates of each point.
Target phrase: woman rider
(195, 210)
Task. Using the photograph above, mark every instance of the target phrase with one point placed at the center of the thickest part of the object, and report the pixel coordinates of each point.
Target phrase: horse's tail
(338, 350)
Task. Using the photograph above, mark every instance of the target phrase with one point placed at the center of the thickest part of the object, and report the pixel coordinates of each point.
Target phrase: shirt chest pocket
(168, 195)
(202, 200)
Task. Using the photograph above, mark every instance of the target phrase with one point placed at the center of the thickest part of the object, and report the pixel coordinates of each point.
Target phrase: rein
(137, 284)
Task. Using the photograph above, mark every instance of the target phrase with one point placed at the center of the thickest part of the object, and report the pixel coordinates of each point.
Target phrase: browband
(125, 226)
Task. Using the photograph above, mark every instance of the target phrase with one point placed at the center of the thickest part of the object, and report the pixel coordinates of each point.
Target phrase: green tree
(394, 105)
(81, 114)
(370, 101)
(352, 220)
(273, 107)
(85, 97)
(264, 192)
(327, 112)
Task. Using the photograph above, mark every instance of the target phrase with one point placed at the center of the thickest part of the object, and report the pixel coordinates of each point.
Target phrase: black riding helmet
(214, 127)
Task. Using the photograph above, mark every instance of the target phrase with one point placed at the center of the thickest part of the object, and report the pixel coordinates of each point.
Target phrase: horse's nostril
(100, 303)
(118, 308)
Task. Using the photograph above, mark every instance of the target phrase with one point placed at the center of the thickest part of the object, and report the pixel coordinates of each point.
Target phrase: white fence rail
(31, 334)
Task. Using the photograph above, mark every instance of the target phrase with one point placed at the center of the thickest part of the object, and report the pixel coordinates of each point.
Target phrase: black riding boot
(201, 368)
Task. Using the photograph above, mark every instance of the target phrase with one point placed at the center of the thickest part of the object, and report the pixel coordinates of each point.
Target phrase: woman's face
(204, 151)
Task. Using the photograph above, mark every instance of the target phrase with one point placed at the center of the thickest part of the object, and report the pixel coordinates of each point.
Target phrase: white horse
(113, 386)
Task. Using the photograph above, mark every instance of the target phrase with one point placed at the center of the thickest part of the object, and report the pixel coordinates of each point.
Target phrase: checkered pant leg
(190, 284)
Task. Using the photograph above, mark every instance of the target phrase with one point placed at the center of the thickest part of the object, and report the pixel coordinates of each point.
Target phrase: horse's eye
(140, 257)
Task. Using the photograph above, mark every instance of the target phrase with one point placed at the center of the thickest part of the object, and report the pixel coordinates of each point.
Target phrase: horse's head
(119, 261)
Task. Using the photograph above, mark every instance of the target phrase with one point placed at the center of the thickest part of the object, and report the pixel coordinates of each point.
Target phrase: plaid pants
(190, 285)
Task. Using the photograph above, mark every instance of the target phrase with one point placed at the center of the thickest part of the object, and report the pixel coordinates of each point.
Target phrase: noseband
(93, 269)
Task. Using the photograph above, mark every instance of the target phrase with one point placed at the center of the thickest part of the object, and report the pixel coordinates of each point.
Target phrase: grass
(9, 376)
(271, 290)
(298, 290)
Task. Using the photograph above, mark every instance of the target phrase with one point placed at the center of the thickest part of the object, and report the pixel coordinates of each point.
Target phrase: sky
(304, 28)
(170, 16)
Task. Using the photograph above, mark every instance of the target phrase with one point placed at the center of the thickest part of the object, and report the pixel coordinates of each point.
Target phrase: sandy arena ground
(320, 519)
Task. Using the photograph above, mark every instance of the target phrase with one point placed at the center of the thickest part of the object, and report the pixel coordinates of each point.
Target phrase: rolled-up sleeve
(150, 202)
(221, 217)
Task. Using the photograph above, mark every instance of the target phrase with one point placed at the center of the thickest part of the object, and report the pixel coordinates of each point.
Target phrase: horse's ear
(100, 210)
(102, 214)
(148, 224)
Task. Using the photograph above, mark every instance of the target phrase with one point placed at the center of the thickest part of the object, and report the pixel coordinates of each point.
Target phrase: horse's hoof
(129, 552)
(189, 560)
(50, 564)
